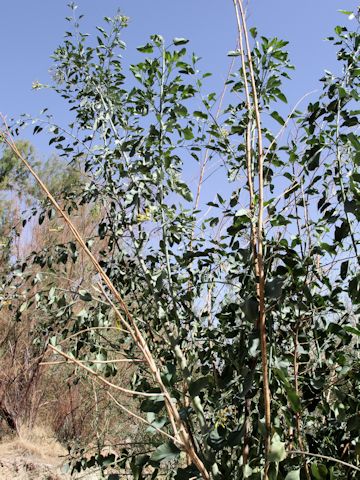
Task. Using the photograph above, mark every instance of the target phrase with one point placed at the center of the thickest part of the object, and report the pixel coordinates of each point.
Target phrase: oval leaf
(180, 41)
(166, 451)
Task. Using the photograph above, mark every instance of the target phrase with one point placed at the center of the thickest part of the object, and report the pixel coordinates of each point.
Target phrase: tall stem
(258, 240)
(297, 414)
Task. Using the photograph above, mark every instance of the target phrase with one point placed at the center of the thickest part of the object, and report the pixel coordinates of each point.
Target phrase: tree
(243, 323)
(29, 392)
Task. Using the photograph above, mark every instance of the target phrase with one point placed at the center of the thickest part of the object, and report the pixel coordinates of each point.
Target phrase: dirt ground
(19, 460)
(35, 456)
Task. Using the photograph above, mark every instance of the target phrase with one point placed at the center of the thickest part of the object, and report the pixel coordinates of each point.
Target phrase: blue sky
(31, 30)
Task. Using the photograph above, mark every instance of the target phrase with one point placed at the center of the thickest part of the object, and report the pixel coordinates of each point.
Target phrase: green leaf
(198, 114)
(277, 452)
(352, 206)
(187, 473)
(312, 156)
(282, 97)
(251, 309)
(273, 472)
(353, 423)
(273, 288)
(23, 307)
(351, 329)
(148, 48)
(157, 39)
(294, 475)
(180, 41)
(217, 438)
(253, 32)
(153, 405)
(341, 231)
(293, 399)
(233, 53)
(188, 133)
(108, 460)
(319, 472)
(354, 140)
(201, 383)
(276, 116)
(184, 191)
(156, 424)
(85, 296)
(235, 438)
(166, 451)
(344, 269)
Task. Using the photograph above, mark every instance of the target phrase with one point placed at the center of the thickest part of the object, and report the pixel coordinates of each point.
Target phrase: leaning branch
(180, 433)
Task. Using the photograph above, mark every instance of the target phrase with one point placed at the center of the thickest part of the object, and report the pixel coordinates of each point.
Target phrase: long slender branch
(129, 412)
(102, 362)
(259, 262)
(324, 457)
(102, 379)
(206, 155)
(260, 243)
(180, 432)
(250, 182)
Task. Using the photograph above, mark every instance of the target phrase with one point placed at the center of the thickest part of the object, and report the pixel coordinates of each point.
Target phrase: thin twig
(324, 457)
(119, 360)
(129, 412)
(102, 379)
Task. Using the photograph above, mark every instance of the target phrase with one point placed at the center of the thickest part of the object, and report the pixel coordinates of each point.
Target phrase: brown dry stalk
(250, 182)
(257, 241)
(179, 429)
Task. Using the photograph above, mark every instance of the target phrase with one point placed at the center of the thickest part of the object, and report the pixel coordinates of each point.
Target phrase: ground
(34, 456)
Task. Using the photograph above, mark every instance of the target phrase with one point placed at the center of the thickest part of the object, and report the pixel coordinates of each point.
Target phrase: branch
(102, 379)
(258, 240)
(324, 457)
(126, 319)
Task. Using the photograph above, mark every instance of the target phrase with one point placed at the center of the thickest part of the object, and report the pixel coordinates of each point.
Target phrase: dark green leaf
(201, 383)
(319, 471)
(166, 451)
(276, 116)
(180, 41)
(85, 296)
(148, 48)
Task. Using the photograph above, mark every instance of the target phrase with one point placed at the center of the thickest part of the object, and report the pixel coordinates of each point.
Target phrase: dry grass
(38, 442)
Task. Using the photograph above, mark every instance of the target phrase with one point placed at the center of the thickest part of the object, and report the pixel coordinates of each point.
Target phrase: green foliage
(188, 277)
(13, 176)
